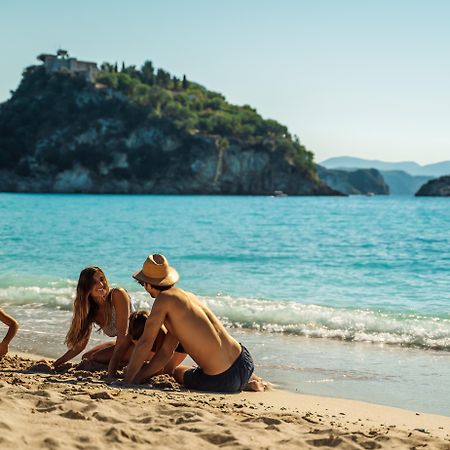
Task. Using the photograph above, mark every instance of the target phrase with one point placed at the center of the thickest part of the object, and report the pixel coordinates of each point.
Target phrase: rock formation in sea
(439, 187)
(354, 182)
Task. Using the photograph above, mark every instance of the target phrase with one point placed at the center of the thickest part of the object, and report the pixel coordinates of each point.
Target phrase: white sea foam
(335, 323)
(287, 317)
(48, 296)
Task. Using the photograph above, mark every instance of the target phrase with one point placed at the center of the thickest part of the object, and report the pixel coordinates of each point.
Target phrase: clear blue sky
(366, 78)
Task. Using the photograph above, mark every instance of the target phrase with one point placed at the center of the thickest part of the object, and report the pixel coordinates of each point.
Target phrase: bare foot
(257, 384)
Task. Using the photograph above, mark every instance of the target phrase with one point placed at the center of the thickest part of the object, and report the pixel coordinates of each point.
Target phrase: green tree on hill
(148, 73)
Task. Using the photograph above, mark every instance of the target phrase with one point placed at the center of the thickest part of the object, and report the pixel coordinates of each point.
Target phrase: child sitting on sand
(136, 327)
(13, 327)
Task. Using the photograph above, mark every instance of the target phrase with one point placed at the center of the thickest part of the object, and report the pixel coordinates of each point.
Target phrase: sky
(363, 78)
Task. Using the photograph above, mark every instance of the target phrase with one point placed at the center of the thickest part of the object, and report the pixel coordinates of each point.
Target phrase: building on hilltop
(62, 62)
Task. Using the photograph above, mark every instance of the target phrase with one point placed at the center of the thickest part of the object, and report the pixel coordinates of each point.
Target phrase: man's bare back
(199, 331)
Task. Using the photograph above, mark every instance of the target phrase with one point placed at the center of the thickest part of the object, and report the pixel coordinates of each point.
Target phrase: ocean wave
(286, 317)
(47, 296)
(316, 321)
(54, 295)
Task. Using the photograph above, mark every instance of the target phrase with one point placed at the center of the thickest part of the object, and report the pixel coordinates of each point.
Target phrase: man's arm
(152, 327)
(161, 358)
(13, 327)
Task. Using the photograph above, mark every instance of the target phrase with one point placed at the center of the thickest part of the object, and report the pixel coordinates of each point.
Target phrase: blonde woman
(95, 303)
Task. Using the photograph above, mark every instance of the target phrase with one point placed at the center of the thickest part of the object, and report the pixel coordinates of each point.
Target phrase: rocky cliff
(135, 131)
(440, 187)
(354, 182)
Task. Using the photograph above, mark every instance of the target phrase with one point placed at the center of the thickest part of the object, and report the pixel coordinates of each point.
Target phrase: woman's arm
(13, 327)
(122, 306)
(72, 352)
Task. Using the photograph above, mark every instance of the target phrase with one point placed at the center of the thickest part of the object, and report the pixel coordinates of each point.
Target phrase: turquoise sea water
(335, 296)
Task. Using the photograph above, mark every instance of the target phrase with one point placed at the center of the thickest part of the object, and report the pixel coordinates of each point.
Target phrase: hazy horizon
(383, 160)
(365, 80)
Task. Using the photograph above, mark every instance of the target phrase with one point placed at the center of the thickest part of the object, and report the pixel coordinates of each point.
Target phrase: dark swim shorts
(233, 379)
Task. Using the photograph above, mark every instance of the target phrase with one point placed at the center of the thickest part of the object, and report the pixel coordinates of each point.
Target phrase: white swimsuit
(110, 329)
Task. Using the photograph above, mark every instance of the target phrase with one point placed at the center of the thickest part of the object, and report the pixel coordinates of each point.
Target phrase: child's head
(137, 324)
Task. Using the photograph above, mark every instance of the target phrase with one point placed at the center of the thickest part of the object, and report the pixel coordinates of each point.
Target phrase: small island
(439, 187)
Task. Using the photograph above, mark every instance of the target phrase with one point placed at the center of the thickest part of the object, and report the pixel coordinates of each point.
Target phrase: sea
(344, 297)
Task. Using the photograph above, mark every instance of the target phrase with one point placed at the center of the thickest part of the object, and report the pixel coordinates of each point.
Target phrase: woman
(96, 303)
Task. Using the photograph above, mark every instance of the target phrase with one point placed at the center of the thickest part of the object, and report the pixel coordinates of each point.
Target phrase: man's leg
(178, 373)
(256, 384)
(174, 362)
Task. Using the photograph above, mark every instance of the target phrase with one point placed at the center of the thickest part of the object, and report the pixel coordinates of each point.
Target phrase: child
(13, 327)
(136, 327)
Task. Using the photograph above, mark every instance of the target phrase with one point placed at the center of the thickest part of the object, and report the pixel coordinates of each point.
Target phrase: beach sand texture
(42, 409)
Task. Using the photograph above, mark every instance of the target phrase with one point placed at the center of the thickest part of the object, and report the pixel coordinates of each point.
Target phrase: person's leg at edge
(104, 355)
(109, 346)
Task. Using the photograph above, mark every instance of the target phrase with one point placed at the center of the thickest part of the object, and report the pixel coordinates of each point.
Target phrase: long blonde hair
(84, 307)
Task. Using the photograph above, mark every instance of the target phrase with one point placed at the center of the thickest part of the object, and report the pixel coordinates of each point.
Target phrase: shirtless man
(224, 365)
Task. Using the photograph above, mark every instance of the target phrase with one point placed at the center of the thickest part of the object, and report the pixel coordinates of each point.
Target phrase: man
(224, 365)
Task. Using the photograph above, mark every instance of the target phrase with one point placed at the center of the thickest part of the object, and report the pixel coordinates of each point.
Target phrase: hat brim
(171, 278)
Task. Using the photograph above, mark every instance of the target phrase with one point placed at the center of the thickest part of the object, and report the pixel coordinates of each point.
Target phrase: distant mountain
(435, 188)
(402, 183)
(354, 182)
(410, 167)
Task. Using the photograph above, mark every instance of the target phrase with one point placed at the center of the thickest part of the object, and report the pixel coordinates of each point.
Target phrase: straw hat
(156, 271)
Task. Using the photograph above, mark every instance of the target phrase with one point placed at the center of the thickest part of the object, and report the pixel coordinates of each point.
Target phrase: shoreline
(37, 405)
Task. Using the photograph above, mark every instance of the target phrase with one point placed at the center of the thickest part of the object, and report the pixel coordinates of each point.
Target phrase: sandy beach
(76, 409)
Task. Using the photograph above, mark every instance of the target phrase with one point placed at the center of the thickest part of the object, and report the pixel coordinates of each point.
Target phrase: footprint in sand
(145, 419)
(5, 426)
(51, 444)
(218, 438)
(101, 395)
(266, 420)
(117, 435)
(370, 445)
(187, 417)
(330, 441)
(45, 406)
(71, 414)
(104, 418)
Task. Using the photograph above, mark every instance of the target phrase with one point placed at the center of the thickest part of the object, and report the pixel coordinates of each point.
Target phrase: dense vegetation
(45, 105)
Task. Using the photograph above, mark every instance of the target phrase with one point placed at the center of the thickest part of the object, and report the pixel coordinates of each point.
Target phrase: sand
(42, 409)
